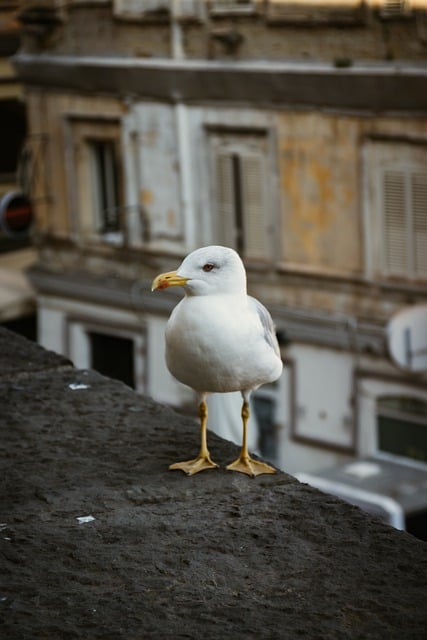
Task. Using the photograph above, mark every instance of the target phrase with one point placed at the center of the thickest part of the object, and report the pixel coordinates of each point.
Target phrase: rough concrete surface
(214, 556)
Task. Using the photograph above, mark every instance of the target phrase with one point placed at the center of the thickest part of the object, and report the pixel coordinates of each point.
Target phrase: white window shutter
(394, 8)
(396, 200)
(138, 7)
(225, 223)
(395, 223)
(254, 201)
(242, 199)
(419, 222)
(230, 5)
(405, 222)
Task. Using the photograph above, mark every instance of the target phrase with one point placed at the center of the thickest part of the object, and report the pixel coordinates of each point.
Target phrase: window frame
(239, 146)
(104, 168)
(380, 157)
(232, 7)
(403, 416)
(407, 174)
(369, 387)
(80, 132)
(156, 11)
(77, 330)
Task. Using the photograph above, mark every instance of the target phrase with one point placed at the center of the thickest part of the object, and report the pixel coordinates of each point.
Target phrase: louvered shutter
(394, 219)
(419, 222)
(405, 222)
(254, 214)
(138, 8)
(225, 219)
(393, 8)
(230, 5)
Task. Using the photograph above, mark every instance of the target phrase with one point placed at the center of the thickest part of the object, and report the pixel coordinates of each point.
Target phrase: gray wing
(267, 323)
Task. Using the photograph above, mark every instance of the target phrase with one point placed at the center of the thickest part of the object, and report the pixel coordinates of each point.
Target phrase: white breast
(217, 344)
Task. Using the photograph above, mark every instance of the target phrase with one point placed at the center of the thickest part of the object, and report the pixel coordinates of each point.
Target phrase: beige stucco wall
(321, 180)
(52, 115)
(320, 211)
(333, 31)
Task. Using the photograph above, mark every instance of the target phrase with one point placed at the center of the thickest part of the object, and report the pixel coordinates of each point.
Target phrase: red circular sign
(16, 214)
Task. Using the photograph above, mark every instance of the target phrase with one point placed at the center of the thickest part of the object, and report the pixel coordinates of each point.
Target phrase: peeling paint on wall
(146, 197)
(319, 181)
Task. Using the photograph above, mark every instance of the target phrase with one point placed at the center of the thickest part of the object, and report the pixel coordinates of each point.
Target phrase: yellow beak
(169, 279)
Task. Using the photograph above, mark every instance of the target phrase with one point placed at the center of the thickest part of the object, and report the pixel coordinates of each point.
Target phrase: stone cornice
(296, 325)
(384, 87)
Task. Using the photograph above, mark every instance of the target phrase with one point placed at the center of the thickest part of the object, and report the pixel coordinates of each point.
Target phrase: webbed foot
(249, 466)
(190, 467)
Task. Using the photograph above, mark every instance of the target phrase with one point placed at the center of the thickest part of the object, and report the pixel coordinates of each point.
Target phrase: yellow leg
(203, 460)
(244, 463)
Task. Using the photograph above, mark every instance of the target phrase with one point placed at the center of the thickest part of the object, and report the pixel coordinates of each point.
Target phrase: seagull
(219, 340)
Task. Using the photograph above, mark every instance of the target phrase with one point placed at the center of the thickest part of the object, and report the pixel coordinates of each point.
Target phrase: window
(12, 114)
(311, 12)
(105, 181)
(402, 426)
(141, 7)
(95, 180)
(231, 6)
(242, 214)
(113, 356)
(155, 9)
(390, 9)
(396, 207)
(114, 349)
(264, 403)
(404, 221)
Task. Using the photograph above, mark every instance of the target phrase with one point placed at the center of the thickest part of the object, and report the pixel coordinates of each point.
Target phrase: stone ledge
(366, 87)
(215, 556)
(21, 357)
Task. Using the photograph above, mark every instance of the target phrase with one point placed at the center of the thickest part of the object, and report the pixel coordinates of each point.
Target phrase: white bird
(219, 339)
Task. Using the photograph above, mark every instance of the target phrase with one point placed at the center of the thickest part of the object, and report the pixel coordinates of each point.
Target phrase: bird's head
(207, 271)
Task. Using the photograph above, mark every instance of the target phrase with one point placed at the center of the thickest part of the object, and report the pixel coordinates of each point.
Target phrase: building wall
(316, 168)
(319, 228)
(273, 30)
(314, 246)
(57, 118)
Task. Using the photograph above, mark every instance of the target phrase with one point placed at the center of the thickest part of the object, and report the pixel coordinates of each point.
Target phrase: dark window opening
(13, 244)
(24, 325)
(113, 357)
(264, 409)
(13, 119)
(242, 208)
(106, 185)
(238, 202)
(402, 427)
(416, 524)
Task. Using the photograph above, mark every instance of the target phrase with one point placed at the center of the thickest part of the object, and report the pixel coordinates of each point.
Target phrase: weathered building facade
(12, 108)
(17, 300)
(295, 132)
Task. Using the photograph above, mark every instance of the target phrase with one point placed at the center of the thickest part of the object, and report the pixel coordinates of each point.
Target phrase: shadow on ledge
(215, 556)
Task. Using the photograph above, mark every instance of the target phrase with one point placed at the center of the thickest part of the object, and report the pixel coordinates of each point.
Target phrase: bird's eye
(208, 266)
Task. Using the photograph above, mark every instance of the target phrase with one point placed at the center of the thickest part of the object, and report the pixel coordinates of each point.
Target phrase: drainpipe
(177, 49)
(183, 135)
(186, 183)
